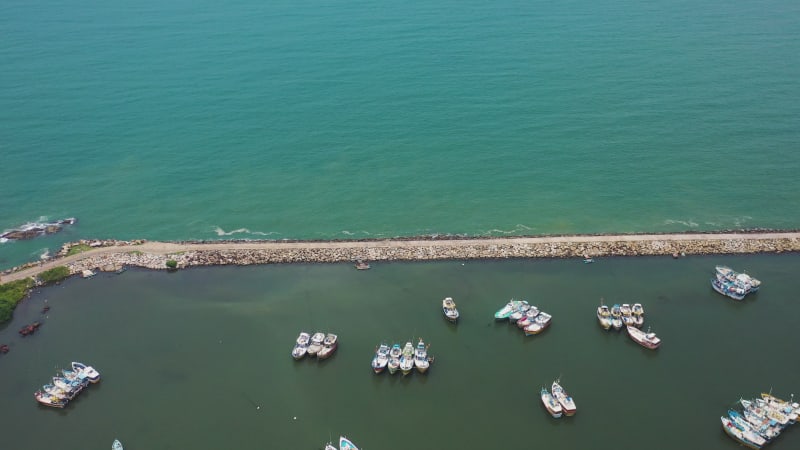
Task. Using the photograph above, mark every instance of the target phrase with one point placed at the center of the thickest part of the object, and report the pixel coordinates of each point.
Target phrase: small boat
(728, 289)
(539, 323)
(57, 392)
(550, 403)
(519, 312)
(88, 372)
(329, 345)
(74, 377)
(790, 408)
(566, 402)
(742, 423)
(648, 339)
(638, 314)
(746, 438)
(506, 310)
(588, 260)
(449, 310)
(758, 407)
(381, 358)
(49, 400)
(407, 358)
(86, 273)
(627, 315)
(316, 343)
(361, 265)
(330, 446)
(740, 278)
(394, 358)
(616, 317)
(116, 445)
(301, 345)
(766, 427)
(4, 348)
(604, 316)
(529, 316)
(421, 357)
(346, 444)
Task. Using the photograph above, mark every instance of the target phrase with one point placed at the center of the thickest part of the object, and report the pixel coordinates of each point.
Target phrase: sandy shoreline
(111, 255)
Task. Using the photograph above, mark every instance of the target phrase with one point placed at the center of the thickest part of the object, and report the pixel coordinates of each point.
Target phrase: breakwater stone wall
(445, 249)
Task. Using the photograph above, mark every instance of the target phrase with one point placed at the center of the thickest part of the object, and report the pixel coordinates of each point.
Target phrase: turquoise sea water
(350, 119)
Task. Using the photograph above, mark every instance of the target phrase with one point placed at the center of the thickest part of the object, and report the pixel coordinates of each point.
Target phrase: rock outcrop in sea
(36, 229)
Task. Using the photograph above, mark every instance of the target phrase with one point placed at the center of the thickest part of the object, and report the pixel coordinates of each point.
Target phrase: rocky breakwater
(271, 252)
(35, 229)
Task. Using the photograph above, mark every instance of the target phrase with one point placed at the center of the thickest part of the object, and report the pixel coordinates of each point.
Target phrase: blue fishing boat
(507, 310)
(728, 289)
(346, 444)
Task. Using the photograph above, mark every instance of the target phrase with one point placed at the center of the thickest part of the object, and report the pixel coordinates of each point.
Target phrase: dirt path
(163, 248)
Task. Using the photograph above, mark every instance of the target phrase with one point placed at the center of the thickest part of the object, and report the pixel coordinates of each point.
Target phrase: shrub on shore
(172, 264)
(54, 275)
(10, 294)
(80, 248)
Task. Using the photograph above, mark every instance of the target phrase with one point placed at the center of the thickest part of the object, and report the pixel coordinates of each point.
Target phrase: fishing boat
(86, 371)
(301, 345)
(316, 343)
(506, 310)
(381, 358)
(540, 322)
(407, 358)
(116, 445)
(566, 402)
(519, 311)
(529, 316)
(627, 315)
(421, 357)
(648, 339)
(728, 289)
(346, 444)
(550, 403)
(604, 316)
(329, 345)
(766, 427)
(747, 438)
(69, 386)
(742, 423)
(790, 408)
(616, 317)
(394, 358)
(449, 310)
(49, 400)
(330, 446)
(57, 392)
(74, 377)
(638, 314)
(362, 265)
(774, 413)
(758, 407)
(740, 278)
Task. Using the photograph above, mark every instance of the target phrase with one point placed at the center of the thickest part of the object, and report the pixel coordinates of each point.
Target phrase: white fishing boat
(316, 343)
(329, 345)
(394, 358)
(529, 316)
(301, 345)
(638, 314)
(519, 311)
(648, 339)
(116, 445)
(627, 315)
(539, 323)
(57, 392)
(616, 317)
(604, 316)
(747, 438)
(330, 446)
(88, 372)
(71, 387)
(739, 278)
(381, 358)
(566, 402)
(506, 310)
(550, 403)
(346, 444)
(421, 357)
(449, 309)
(407, 358)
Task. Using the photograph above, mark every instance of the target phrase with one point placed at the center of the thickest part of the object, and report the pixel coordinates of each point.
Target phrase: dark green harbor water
(188, 358)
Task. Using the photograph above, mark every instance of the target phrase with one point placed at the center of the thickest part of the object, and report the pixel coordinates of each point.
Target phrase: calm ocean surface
(187, 357)
(348, 119)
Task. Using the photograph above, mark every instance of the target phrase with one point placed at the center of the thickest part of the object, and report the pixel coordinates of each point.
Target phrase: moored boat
(627, 315)
(449, 309)
(49, 400)
(316, 343)
(728, 289)
(550, 403)
(648, 339)
(748, 439)
(57, 392)
(743, 424)
(421, 357)
(394, 358)
(88, 372)
(301, 345)
(604, 316)
(638, 314)
(330, 446)
(381, 358)
(407, 358)
(616, 317)
(346, 444)
(790, 408)
(506, 310)
(564, 399)
(529, 316)
(539, 323)
(739, 278)
(329, 345)
(116, 445)
(519, 311)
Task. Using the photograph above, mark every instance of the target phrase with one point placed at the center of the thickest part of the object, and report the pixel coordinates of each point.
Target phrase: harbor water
(200, 358)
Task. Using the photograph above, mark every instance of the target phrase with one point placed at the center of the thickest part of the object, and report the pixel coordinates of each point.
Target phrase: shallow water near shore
(200, 358)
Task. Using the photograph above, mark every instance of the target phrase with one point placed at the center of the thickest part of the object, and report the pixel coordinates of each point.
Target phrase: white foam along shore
(111, 255)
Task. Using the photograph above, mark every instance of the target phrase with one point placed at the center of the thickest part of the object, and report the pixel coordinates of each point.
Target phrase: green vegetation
(80, 248)
(10, 294)
(54, 275)
(172, 264)
(135, 252)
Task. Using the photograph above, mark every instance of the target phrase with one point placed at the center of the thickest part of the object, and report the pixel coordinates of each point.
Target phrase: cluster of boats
(405, 358)
(322, 345)
(632, 317)
(344, 444)
(67, 385)
(557, 401)
(733, 284)
(760, 420)
(526, 316)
